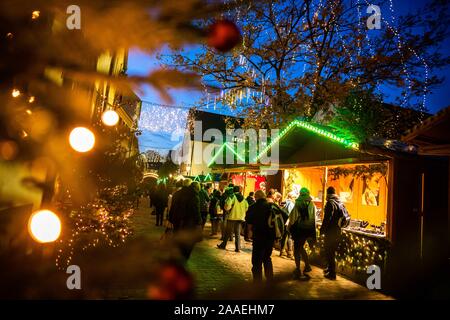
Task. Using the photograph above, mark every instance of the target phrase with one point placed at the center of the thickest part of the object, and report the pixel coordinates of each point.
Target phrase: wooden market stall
(381, 184)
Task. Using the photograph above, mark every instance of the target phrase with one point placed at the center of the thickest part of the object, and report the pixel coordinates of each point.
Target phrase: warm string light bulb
(44, 226)
(82, 139)
(15, 93)
(35, 14)
(110, 118)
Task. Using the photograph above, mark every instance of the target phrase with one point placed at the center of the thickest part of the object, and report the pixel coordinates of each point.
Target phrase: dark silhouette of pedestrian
(331, 231)
(185, 216)
(302, 226)
(215, 212)
(257, 219)
(160, 203)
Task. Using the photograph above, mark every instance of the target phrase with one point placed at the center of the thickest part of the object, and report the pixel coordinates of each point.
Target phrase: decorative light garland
(219, 152)
(355, 252)
(308, 126)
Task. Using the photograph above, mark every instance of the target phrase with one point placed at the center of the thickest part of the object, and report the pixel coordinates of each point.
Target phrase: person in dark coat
(160, 203)
(302, 227)
(185, 216)
(250, 200)
(263, 237)
(215, 212)
(332, 232)
(204, 203)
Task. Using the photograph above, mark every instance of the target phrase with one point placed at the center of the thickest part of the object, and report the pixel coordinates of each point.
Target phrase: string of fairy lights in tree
(400, 45)
(228, 100)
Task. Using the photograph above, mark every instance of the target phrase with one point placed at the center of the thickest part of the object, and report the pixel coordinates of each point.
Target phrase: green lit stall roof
(312, 128)
(220, 152)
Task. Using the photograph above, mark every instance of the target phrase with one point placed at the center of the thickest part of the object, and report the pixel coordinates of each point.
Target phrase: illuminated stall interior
(363, 188)
(250, 182)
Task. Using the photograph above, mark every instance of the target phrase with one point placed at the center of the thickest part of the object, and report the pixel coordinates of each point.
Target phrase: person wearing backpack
(277, 221)
(263, 236)
(335, 217)
(250, 200)
(215, 212)
(237, 206)
(286, 241)
(204, 203)
(227, 193)
(302, 226)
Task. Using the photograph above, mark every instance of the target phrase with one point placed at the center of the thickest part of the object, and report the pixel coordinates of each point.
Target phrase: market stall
(249, 181)
(363, 188)
(310, 156)
(390, 191)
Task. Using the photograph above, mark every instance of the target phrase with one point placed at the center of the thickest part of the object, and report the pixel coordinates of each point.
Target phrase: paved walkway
(227, 274)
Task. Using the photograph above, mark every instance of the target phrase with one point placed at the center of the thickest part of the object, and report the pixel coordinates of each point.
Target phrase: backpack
(276, 222)
(204, 201)
(344, 216)
(229, 203)
(219, 211)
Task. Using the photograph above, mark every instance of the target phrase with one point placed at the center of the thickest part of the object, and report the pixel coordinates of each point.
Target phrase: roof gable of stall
(303, 147)
(432, 136)
(307, 143)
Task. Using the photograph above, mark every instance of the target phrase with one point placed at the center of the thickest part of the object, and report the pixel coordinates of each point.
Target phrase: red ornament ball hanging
(224, 35)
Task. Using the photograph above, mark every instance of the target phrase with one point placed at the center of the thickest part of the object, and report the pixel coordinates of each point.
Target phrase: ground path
(216, 270)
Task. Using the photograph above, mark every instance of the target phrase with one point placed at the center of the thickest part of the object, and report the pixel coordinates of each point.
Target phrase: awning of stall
(302, 147)
(432, 136)
(306, 144)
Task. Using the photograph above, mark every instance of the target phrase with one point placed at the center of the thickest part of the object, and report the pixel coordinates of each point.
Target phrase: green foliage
(359, 171)
(359, 115)
(363, 115)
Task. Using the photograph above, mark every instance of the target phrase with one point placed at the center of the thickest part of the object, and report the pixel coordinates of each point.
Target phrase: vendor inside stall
(361, 187)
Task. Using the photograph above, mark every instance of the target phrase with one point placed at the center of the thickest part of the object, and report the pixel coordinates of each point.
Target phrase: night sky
(141, 63)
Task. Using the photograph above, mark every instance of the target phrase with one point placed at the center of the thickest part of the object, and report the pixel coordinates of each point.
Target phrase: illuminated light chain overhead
(156, 117)
(308, 126)
(220, 152)
(399, 46)
(235, 95)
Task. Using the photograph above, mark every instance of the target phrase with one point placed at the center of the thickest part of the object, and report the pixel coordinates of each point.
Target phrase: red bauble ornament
(224, 35)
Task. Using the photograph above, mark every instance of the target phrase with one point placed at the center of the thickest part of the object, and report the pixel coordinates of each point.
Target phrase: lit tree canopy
(302, 56)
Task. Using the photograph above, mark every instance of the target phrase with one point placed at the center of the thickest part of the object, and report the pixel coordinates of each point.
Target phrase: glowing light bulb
(35, 14)
(15, 93)
(81, 139)
(44, 226)
(110, 118)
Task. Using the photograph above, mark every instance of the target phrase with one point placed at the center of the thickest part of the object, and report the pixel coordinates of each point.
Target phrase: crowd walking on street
(262, 219)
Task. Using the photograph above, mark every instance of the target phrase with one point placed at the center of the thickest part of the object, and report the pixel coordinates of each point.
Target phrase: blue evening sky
(158, 125)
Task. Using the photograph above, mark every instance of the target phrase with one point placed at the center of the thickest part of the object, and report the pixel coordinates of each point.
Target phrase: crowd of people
(263, 219)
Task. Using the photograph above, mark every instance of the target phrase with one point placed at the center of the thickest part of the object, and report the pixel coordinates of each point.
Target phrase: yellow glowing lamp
(35, 14)
(81, 139)
(15, 93)
(44, 226)
(110, 118)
